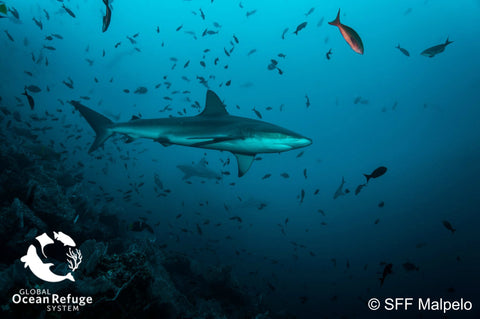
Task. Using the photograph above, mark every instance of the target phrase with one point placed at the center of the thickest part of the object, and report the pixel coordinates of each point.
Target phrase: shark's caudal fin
(213, 105)
(97, 121)
(244, 162)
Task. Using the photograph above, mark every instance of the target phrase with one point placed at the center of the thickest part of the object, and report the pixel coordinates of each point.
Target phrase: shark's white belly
(249, 146)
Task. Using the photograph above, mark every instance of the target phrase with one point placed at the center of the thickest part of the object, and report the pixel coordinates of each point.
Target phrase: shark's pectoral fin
(244, 162)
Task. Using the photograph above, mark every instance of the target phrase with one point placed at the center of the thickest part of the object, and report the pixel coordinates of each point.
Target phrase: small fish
(70, 85)
(329, 53)
(352, 37)
(9, 36)
(141, 90)
(14, 12)
(68, 11)
(405, 52)
(309, 12)
(376, 173)
(308, 100)
(386, 271)
(107, 17)
(283, 33)
(320, 22)
(179, 28)
(249, 13)
(448, 226)
(235, 38)
(266, 176)
(359, 188)
(300, 27)
(381, 204)
(132, 41)
(46, 14)
(431, 52)
(31, 102)
(251, 52)
(38, 23)
(49, 47)
(34, 88)
(257, 113)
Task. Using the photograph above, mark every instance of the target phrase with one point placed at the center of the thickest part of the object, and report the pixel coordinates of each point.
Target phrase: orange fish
(352, 37)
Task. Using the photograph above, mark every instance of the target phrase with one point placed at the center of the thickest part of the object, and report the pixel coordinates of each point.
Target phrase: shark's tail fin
(448, 42)
(97, 121)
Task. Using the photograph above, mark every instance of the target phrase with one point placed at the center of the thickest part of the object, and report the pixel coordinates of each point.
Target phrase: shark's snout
(306, 141)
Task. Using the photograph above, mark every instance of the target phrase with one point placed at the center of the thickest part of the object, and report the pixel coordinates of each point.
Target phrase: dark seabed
(170, 231)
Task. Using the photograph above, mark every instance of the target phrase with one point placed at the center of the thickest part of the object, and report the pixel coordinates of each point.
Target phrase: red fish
(352, 37)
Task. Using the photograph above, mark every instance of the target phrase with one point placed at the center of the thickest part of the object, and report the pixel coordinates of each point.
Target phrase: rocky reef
(126, 277)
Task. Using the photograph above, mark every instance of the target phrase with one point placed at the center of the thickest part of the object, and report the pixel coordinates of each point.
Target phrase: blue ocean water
(315, 256)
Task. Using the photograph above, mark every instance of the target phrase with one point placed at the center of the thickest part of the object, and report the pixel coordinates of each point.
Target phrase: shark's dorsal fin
(213, 105)
(244, 162)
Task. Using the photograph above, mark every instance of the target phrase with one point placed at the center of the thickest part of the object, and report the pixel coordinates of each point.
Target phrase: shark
(214, 128)
(200, 169)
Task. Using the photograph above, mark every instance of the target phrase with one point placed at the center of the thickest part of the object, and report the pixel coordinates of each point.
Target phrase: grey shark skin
(212, 129)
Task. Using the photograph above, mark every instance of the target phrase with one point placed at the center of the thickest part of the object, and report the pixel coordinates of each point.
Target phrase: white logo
(41, 270)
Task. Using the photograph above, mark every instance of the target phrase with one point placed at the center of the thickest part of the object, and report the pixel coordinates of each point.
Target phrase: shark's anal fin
(244, 162)
(213, 105)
